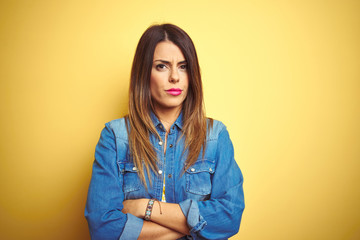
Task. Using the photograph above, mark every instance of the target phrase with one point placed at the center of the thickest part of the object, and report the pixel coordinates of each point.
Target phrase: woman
(165, 171)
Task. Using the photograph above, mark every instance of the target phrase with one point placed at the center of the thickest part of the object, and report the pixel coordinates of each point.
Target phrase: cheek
(186, 82)
(155, 85)
(153, 89)
(186, 79)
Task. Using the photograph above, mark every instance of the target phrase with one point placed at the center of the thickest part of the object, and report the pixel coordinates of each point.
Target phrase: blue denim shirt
(210, 192)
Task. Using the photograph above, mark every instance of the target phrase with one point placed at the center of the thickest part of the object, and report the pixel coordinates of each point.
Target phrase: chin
(170, 106)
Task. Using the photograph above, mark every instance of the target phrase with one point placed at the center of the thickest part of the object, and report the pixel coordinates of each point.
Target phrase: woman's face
(169, 78)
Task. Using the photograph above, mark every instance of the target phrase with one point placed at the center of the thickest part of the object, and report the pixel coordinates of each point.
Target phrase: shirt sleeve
(220, 216)
(105, 195)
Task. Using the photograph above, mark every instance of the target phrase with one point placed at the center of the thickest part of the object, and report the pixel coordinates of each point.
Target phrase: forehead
(167, 50)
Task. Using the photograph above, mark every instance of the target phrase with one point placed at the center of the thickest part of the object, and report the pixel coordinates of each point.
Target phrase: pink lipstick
(174, 91)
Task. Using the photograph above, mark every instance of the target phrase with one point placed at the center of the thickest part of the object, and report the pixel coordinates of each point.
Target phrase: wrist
(150, 208)
(143, 202)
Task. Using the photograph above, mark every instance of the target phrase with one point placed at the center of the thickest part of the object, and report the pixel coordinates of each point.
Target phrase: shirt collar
(154, 119)
(178, 122)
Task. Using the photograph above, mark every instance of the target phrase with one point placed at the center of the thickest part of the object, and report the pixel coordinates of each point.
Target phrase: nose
(174, 76)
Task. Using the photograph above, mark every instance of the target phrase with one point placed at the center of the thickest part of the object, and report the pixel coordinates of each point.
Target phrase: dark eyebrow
(167, 62)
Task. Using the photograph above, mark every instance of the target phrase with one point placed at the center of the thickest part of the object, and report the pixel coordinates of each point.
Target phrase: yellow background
(284, 76)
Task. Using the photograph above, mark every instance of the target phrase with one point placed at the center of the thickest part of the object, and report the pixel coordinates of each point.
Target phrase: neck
(167, 116)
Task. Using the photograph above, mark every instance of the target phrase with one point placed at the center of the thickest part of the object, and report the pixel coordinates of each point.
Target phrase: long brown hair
(140, 105)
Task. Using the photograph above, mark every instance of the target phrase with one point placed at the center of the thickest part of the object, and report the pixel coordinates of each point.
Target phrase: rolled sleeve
(191, 211)
(218, 217)
(132, 228)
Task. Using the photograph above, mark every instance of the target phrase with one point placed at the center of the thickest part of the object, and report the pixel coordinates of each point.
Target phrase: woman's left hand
(136, 207)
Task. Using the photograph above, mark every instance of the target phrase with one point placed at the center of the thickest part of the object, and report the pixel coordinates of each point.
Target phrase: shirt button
(169, 176)
(160, 143)
(160, 171)
(134, 168)
(192, 169)
(210, 169)
(173, 127)
(171, 146)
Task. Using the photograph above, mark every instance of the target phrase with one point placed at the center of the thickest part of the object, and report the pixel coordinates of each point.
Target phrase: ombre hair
(139, 120)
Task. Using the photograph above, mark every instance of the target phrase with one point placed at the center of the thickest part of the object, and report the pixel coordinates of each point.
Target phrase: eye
(160, 66)
(183, 66)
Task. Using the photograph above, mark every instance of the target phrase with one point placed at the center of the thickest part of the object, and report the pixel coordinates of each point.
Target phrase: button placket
(168, 167)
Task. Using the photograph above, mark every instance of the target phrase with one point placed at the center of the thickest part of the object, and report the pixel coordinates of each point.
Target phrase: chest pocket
(198, 177)
(130, 175)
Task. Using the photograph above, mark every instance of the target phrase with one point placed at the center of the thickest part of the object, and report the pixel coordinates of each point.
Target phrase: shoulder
(118, 128)
(214, 128)
(218, 142)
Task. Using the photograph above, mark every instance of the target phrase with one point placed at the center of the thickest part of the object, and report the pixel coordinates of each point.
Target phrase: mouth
(174, 91)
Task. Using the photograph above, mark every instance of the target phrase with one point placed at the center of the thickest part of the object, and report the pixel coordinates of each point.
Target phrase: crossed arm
(170, 223)
(222, 211)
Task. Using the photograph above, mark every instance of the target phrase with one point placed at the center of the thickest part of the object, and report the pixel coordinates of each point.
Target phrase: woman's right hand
(136, 207)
